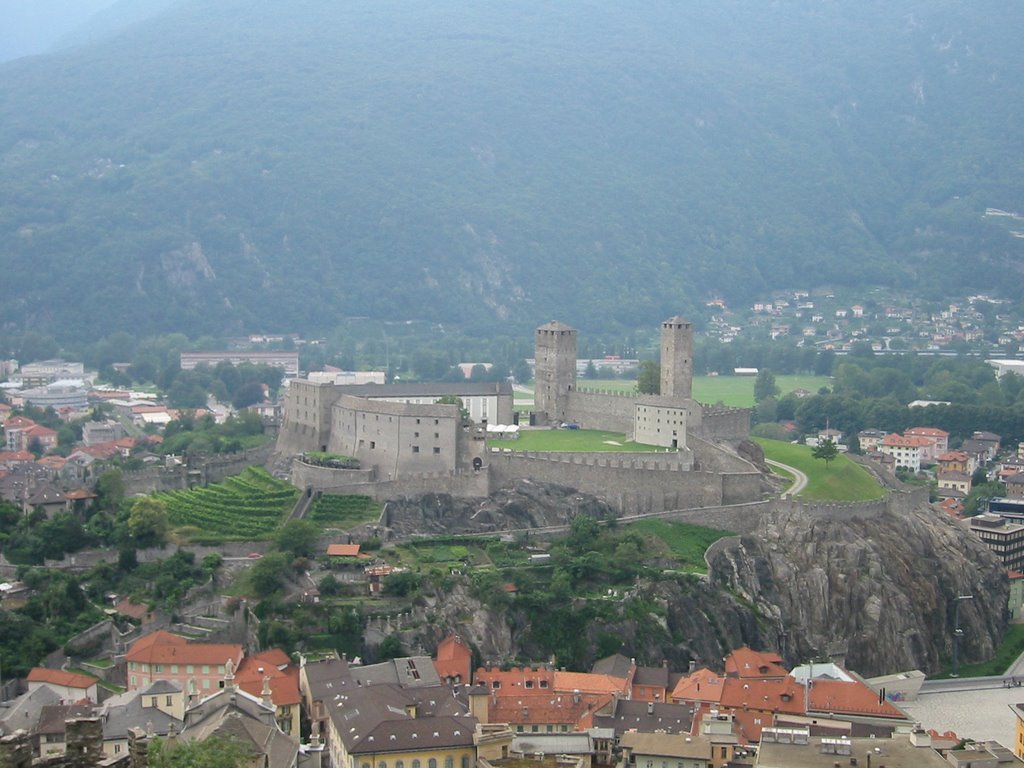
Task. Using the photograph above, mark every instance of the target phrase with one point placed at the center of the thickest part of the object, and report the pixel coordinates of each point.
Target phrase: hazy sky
(31, 26)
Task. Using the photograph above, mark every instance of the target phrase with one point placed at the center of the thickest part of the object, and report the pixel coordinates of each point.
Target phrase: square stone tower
(554, 373)
(677, 358)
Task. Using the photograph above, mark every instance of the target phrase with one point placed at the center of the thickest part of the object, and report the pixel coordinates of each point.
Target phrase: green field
(247, 506)
(682, 542)
(568, 440)
(1007, 652)
(730, 390)
(344, 511)
(842, 480)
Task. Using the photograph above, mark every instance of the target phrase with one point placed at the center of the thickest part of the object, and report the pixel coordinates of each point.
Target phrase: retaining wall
(630, 483)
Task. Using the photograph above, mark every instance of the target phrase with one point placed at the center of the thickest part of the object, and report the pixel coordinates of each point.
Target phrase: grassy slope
(571, 440)
(843, 480)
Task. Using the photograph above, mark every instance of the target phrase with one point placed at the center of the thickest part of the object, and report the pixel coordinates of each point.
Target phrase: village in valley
(201, 661)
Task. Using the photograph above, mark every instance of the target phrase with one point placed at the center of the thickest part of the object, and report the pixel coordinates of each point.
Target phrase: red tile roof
(162, 647)
(343, 550)
(588, 682)
(454, 659)
(775, 695)
(60, 677)
(702, 685)
(543, 708)
(745, 662)
(284, 683)
(849, 698)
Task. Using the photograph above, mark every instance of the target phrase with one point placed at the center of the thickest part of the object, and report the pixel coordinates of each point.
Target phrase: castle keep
(408, 443)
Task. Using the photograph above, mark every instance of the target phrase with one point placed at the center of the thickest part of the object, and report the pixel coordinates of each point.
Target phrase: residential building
(1004, 537)
(70, 686)
(158, 709)
(937, 445)
(94, 432)
(796, 748)
(1015, 486)
(45, 372)
(195, 667)
(387, 726)
(658, 750)
(273, 669)
(959, 482)
(646, 717)
(287, 361)
(454, 661)
(955, 461)
(905, 451)
(234, 713)
(747, 663)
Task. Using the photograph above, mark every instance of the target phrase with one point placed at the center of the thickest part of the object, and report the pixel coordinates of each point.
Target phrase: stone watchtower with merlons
(554, 370)
(677, 358)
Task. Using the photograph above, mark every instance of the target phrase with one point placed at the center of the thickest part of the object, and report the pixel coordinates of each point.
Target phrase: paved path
(800, 481)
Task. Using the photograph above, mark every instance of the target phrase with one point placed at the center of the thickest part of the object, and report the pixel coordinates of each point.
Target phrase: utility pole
(957, 633)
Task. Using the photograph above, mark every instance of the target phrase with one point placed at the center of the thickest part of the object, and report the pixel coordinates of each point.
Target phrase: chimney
(693, 666)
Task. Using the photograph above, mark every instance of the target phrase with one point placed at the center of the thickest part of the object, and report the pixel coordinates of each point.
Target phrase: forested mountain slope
(234, 165)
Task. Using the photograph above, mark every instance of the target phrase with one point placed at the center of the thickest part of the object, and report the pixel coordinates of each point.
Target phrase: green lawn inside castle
(572, 440)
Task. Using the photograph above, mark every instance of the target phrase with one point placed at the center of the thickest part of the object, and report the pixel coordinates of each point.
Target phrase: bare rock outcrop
(878, 591)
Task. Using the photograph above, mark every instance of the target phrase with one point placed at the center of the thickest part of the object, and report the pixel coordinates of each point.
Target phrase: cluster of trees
(874, 392)
(189, 435)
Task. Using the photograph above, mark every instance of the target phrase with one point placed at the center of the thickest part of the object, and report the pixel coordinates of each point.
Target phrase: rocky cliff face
(527, 505)
(878, 591)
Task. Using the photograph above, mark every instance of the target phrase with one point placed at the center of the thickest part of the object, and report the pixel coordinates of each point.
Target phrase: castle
(406, 442)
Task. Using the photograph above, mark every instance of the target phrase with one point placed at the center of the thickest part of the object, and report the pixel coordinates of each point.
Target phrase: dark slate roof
(615, 665)
(654, 676)
(125, 712)
(646, 717)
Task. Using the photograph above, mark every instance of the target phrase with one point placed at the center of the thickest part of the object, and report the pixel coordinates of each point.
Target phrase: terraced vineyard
(343, 511)
(247, 506)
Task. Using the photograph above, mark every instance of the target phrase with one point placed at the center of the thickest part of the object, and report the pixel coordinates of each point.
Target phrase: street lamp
(957, 633)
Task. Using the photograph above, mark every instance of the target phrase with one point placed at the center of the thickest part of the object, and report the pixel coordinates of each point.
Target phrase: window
(134, 682)
(529, 683)
(416, 763)
(169, 701)
(399, 764)
(415, 434)
(437, 435)
(415, 449)
(373, 444)
(496, 684)
(437, 451)
(551, 728)
(206, 684)
(534, 728)
(465, 761)
(449, 762)
(206, 669)
(543, 683)
(432, 763)
(174, 669)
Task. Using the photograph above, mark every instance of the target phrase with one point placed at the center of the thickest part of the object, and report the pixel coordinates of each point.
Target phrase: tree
(390, 648)
(147, 522)
(764, 385)
(648, 379)
(826, 450)
(269, 574)
(298, 538)
(215, 752)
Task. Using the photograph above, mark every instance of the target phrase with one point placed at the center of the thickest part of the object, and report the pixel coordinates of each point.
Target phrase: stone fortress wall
(700, 468)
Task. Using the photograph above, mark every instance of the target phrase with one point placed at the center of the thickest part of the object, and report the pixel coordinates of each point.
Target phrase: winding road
(799, 478)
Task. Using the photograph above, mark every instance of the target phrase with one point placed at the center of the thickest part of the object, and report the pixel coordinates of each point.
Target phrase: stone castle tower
(554, 370)
(677, 358)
